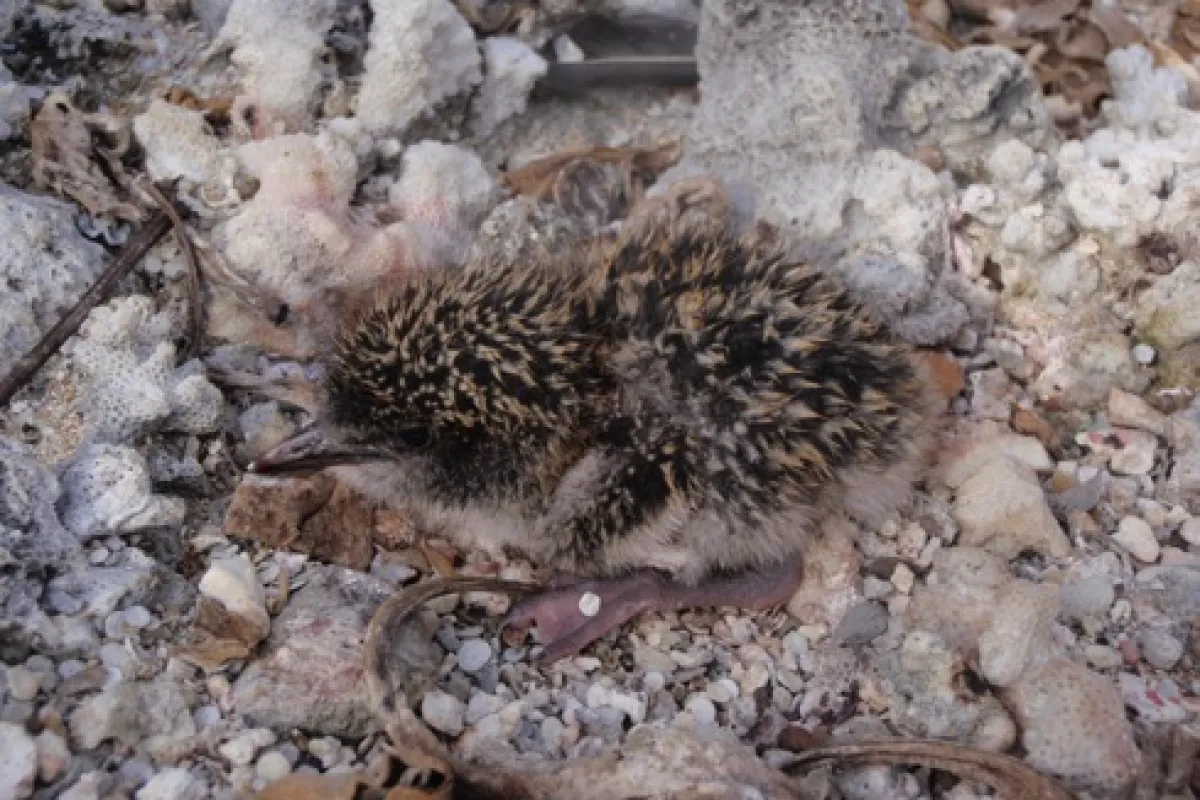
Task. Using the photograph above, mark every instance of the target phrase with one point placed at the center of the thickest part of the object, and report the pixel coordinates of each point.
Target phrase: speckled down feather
(688, 400)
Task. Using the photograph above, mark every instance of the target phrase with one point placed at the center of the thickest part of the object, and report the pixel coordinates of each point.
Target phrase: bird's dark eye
(414, 438)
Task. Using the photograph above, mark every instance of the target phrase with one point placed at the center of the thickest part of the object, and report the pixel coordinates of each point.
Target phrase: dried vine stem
(195, 297)
(134, 250)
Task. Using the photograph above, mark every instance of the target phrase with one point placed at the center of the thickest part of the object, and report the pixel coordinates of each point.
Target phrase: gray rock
(23, 683)
(443, 712)
(1160, 648)
(1090, 597)
(18, 762)
(45, 267)
(30, 530)
(108, 490)
(138, 715)
(969, 101)
(879, 218)
(701, 709)
(125, 361)
(473, 654)
(861, 624)
(172, 784)
(1172, 590)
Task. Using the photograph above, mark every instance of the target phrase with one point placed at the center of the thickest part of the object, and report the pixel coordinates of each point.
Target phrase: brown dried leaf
(946, 373)
(211, 654)
(213, 618)
(440, 559)
(1029, 423)
(1042, 17)
(597, 183)
(215, 109)
(1117, 27)
(77, 155)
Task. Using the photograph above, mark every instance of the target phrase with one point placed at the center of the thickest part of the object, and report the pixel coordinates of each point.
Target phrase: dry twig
(195, 290)
(134, 250)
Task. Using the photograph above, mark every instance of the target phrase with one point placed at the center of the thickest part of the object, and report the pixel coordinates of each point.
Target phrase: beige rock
(1019, 636)
(956, 602)
(1136, 536)
(1074, 727)
(1127, 410)
(961, 464)
(830, 584)
(1002, 508)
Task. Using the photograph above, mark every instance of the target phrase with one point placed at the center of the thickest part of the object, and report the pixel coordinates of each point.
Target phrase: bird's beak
(311, 450)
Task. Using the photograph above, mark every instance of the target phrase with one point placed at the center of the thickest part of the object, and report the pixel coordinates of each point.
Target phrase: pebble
(551, 732)
(473, 655)
(722, 691)
(326, 749)
(1190, 531)
(482, 705)
(1102, 657)
(443, 712)
(875, 588)
(653, 682)
(138, 617)
(1127, 410)
(1160, 648)
(862, 624)
(53, 756)
(903, 578)
(1136, 536)
(18, 762)
(701, 709)
(23, 683)
(241, 750)
(1090, 597)
(172, 784)
(1143, 354)
(272, 766)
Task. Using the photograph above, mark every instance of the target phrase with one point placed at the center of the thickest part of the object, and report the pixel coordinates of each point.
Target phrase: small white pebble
(1136, 536)
(653, 682)
(722, 691)
(903, 578)
(137, 617)
(443, 711)
(272, 766)
(589, 604)
(23, 683)
(1143, 354)
(701, 709)
(473, 655)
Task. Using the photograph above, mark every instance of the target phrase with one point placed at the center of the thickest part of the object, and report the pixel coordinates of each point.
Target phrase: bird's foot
(571, 616)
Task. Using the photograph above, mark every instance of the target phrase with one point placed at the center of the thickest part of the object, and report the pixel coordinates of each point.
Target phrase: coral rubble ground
(170, 628)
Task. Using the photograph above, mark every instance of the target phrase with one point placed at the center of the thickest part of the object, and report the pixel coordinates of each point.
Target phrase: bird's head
(454, 362)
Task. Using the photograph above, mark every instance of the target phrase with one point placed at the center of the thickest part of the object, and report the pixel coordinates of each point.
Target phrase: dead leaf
(440, 559)
(1042, 17)
(215, 109)
(946, 373)
(211, 654)
(78, 155)
(599, 184)
(218, 621)
(1117, 27)
(1029, 423)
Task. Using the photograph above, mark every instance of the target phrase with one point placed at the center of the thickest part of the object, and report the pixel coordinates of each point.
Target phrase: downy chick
(667, 420)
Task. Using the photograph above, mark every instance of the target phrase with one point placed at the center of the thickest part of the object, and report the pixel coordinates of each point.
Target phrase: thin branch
(133, 252)
(196, 324)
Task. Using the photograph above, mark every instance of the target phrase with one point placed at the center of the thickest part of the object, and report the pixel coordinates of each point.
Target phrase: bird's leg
(568, 618)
